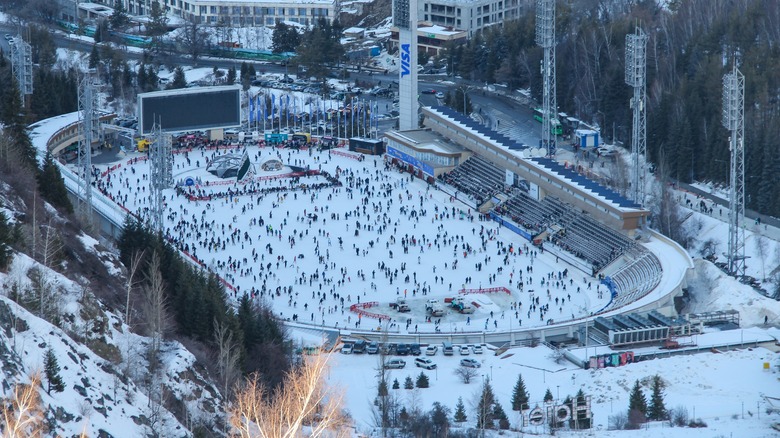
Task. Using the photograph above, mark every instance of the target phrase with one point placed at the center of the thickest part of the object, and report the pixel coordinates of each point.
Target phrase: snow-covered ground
(289, 243)
(380, 237)
(97, 396)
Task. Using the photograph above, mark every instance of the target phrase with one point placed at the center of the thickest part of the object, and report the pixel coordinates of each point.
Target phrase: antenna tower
(734, 121)
(636, 77)
(545, 38)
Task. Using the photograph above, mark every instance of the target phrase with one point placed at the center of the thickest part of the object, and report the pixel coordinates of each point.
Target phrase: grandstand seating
(572, 230)
(477, 178)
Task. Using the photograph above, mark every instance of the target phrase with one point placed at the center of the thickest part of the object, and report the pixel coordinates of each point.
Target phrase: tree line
(691, 45)
(198, 305)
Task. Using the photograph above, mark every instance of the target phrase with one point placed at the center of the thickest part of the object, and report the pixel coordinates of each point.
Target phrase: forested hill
(692, 44)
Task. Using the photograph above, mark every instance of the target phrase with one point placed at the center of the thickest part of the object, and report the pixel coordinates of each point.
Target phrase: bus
(555, 125)
(303, 137)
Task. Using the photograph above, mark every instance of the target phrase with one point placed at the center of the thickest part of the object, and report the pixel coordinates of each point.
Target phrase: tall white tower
(405, 19)
(734, 121)
(545, 38)
(636, 77)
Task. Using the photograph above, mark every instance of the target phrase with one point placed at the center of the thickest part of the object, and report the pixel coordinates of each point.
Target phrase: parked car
(469, 362)
(477, 349)
(464, 350)
(402, 349)
(346, 349)
(373, 348)
(414, 349)
(431, 350)
(424, 362)
(395, 364)
(360, 347)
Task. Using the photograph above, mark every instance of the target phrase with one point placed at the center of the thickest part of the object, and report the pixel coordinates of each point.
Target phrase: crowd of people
(311, 246)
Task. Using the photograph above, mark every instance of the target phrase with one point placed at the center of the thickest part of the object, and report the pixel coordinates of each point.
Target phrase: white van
(447, 348)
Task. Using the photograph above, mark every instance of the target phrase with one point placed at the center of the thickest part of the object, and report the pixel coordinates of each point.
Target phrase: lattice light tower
(734, 121)
(21, 66)
(161, 168)
(545, 38)
(636, 77)
(89, 132)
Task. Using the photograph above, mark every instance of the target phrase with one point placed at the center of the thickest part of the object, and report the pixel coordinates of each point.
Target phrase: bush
(679, 416)
(618, 421)
(697, 423)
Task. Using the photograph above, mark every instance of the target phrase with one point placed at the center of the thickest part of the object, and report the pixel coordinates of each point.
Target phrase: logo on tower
(405, 60)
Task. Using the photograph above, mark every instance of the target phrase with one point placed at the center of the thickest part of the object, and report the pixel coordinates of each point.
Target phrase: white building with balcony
(470, 15)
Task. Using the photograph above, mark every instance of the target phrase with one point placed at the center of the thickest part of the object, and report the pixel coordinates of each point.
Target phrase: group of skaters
(370, 233)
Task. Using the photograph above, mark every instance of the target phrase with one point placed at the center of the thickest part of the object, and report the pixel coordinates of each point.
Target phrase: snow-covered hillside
(107, 391)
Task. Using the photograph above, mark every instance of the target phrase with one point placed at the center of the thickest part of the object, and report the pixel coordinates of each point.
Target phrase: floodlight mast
(161, 176)
(636, 77)
(21, 67)
(89, 132)
(545, 38)
(734, 121)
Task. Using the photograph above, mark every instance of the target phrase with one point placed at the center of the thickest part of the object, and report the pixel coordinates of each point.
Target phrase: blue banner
(408, 159)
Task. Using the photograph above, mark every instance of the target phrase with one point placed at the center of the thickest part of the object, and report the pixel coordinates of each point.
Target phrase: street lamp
(465, 89)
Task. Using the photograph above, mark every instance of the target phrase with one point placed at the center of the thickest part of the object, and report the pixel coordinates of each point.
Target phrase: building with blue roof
(544, 175)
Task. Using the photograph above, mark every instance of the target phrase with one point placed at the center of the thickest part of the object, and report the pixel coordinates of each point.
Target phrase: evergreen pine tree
(485, 407)
(52, 370)
(152, 80)
(422, 380)
(408, 383)
(382, 390)
(396, 385)
(118, 18)
(12, 116)
(657, 409)
(548, 397)
(6, 239)
(231, 77)
(51, 185)
(179, 80)
(519, 395)
(500, 415)
(637, 406)
(94, 57)
(141, 78)
(460, 411)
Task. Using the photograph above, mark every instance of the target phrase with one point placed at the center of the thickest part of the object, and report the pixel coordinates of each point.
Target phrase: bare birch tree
(21, 413)
(135, 262)
(301, 406)
(227, 361)
(155, 308)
